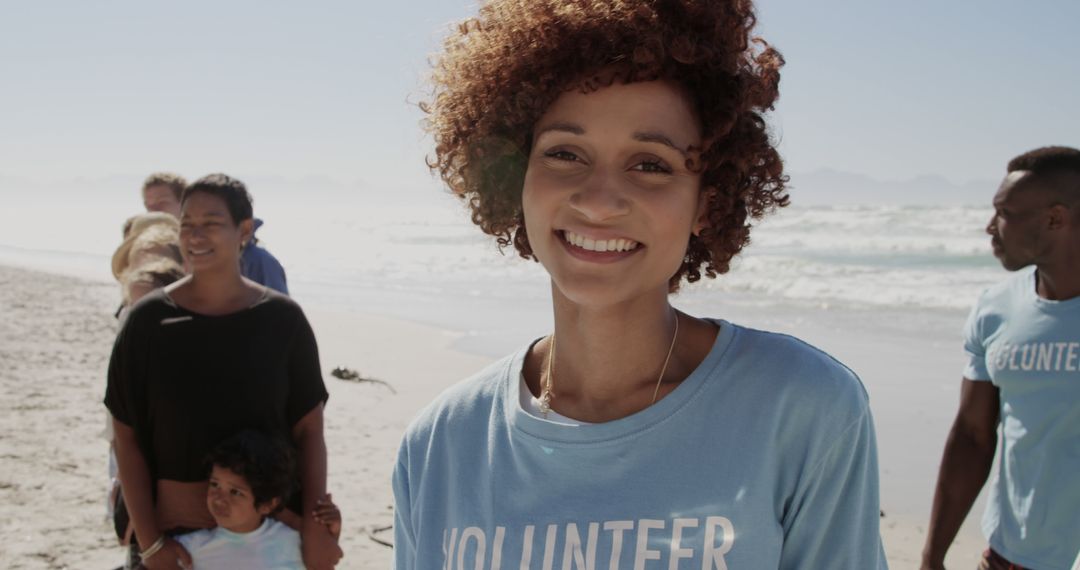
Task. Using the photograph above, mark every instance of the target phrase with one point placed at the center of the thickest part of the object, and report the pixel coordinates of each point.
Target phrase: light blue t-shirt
(272, 546)
(763, 458)
(1029, 347)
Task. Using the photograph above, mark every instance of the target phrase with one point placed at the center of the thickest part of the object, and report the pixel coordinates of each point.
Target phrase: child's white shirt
(272, 546)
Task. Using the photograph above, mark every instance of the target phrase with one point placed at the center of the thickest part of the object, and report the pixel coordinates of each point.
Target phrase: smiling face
(608, 199)
(1019, 222)
(209, 238)
(232, 503)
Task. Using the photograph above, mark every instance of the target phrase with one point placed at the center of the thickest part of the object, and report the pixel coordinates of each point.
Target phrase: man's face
(1019, 224)
(161, 199)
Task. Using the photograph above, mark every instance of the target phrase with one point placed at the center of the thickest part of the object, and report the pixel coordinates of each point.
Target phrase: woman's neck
(215, 293)
(608, 360)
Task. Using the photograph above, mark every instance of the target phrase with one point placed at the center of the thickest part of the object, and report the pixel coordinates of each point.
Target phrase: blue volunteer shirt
(1029, 347)
(764, 457)
(259, 265)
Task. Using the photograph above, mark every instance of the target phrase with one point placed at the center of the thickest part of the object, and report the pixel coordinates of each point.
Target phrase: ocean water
(899, 257)
(422, 260)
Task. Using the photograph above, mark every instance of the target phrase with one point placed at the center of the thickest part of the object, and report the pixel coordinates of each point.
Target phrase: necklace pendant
(545, 402)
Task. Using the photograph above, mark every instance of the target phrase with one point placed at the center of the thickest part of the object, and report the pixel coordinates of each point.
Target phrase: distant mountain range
(828, 187)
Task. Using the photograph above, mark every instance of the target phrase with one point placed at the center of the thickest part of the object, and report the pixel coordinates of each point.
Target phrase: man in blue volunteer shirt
(1022, 376)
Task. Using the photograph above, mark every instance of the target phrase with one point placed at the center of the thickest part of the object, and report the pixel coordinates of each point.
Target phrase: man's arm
(968, 457)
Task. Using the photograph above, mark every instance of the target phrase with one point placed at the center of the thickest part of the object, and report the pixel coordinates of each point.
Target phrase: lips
(598, 249)
(598, 244)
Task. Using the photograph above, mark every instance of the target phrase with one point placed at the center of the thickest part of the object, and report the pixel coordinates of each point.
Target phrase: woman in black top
(195, 363)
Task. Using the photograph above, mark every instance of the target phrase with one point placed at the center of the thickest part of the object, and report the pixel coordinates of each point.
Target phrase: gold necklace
(547, 384)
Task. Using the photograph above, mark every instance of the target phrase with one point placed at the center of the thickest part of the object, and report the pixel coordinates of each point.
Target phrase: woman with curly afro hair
(622, 145)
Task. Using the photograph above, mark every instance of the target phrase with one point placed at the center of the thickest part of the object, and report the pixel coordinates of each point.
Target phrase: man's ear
(1058, 216)
(701, 214)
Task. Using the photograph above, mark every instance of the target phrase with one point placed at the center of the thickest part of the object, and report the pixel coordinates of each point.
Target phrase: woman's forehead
(652, 107)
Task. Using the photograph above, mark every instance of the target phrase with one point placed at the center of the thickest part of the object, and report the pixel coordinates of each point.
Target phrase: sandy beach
(54, 346)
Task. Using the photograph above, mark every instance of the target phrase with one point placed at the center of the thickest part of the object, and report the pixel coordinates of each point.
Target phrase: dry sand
(55, 337)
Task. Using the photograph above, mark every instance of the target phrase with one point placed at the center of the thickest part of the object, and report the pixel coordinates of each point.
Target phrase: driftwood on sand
(350, 375)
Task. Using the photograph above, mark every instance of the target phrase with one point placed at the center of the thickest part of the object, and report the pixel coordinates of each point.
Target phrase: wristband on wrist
(153, 548)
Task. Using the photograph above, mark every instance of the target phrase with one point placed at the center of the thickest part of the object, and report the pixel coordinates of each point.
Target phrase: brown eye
(652, 167)
(561, 155)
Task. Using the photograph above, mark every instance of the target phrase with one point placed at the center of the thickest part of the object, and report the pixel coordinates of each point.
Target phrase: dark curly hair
(500, 71)
(266, 462)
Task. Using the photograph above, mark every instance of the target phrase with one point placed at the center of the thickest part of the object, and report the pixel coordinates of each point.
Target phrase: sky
(326, 92)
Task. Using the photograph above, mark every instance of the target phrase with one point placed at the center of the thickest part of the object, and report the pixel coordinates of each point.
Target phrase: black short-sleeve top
(185, 381)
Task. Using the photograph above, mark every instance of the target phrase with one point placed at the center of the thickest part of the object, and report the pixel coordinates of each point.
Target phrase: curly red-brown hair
(501, 70)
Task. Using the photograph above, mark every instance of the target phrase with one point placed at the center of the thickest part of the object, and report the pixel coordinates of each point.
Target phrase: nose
(991, 226)
(194, 233)
(601, 197)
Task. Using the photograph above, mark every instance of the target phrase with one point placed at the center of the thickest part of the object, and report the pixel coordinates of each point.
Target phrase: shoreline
(56, 344)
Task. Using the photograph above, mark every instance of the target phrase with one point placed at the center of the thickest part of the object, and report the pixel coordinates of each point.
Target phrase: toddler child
(251, 477)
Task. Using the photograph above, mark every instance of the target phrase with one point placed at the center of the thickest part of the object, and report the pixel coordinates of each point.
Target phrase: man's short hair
(1047, 159)
(1061, 163)
(175, 182)
(232, 191)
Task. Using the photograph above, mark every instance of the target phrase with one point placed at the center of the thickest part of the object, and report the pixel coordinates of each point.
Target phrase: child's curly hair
(267, 462)
(501, 70)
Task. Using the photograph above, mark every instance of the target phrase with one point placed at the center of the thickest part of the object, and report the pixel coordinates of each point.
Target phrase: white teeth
(599, 245)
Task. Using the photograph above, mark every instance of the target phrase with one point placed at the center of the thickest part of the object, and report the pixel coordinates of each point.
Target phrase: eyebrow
(653, 137)
(641, 136)
(561, 127)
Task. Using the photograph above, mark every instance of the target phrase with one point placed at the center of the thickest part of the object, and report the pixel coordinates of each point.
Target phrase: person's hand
(172, 556)
(327, 513)
(318, 547)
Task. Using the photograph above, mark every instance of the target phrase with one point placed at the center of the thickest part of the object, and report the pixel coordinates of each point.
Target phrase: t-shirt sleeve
(123, 387)
(193, 542)
(306, 388)
(833, 521)
(974, 348)
(404, 536)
